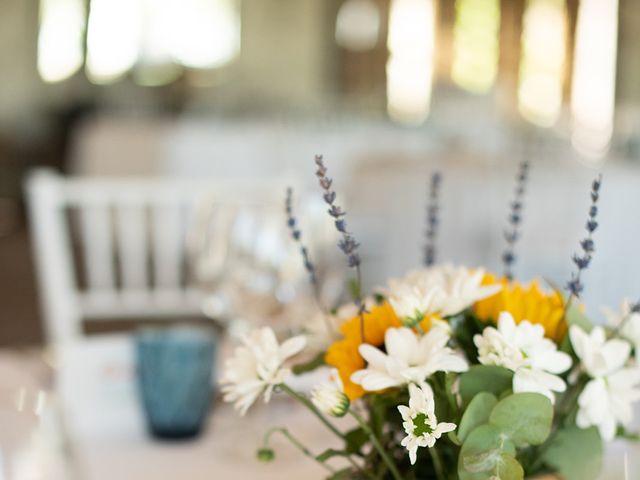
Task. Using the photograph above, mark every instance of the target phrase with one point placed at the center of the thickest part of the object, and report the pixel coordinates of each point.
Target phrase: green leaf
(482, 452)
(575, 453)
(508, 468)
(344, 474)
(484, 378)
(476, 414)
(355, 439)
(525, 417)
(575, 316)
(330, 453)
(309, 366)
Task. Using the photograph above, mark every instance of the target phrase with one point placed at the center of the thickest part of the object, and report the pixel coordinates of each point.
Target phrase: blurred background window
(154, 38)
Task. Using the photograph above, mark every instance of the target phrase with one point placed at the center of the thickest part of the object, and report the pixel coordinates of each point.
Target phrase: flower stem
(360, 302)
(305, 451)
(307, 403)
(437, 463)
(378, 446)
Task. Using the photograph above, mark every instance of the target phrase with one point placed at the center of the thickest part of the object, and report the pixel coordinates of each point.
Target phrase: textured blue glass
(175, 368)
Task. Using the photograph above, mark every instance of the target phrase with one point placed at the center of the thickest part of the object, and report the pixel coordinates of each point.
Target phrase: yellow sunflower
(525, 302)
(344, 355)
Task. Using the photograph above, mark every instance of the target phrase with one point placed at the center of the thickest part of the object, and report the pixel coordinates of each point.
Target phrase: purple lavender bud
(581, 262)
(591, 226)
(329, 197)
(336, 211)
(326, 182)
(512, 235)
(575, 287)
(296, 234)
(508, 257)
(587, 245)
(341, 226)
(432, 219)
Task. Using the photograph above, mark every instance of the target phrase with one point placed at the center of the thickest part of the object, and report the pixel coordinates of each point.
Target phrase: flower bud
(330, 400)
(265, 455)
(411, 322)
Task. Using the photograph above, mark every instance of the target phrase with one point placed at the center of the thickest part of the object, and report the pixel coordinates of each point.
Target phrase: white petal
(417, 399)
(444, 427)
(400, 342)
(292, 346)
(506, 324)
(372, 380)
(579, 341)
(374, 357)
(552, 361)
(405, 412)
(616, 353)
(413, 455)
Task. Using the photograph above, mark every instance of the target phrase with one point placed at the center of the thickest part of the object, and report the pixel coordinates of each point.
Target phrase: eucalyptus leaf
(481, 453)
(575, 453)
(484, 378)
(508, 468)
(476, 414)
(525, 417)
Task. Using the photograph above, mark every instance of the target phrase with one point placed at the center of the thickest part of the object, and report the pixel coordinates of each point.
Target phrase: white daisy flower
(607, 399)
(409, 358)
(330, 398)
(420, 422)
(257, 366)
(445, 290)
(629, 324)
(523, 349)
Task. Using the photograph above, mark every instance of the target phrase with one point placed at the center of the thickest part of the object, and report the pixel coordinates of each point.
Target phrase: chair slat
(97, 233)
(168, 244)
(131, 234)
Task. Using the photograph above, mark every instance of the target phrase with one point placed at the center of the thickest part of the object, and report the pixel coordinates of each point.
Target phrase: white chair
(134, 238)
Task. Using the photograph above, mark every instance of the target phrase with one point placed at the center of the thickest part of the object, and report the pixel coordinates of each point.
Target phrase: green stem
(305, 451)
(378, 446)
(307, 403)
(360, 303)
(437, 463)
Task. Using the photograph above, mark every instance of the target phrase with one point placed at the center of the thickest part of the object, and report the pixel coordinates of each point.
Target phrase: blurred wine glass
(251, 269)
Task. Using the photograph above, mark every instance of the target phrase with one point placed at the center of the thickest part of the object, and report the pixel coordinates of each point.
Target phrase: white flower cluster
(614, 385)
(443, 290)
(257, 367)
(523, 348)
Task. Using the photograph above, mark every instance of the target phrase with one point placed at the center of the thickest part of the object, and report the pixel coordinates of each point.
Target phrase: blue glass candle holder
(175, 368)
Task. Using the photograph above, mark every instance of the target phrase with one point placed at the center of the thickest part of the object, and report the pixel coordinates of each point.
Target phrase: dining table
(75, 414)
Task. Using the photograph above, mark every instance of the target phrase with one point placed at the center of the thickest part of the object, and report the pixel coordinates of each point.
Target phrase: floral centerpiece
(452, 372)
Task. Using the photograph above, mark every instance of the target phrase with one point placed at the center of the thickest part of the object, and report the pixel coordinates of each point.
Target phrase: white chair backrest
(134, 237)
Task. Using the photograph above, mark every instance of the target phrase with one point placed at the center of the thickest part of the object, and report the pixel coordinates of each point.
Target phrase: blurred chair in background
(134, 247)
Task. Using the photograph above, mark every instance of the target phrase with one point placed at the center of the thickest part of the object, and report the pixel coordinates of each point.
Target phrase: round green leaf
(508, 468)
(481, 453)
(575, 453)
(484, 378)
(525, 417)
(476, 414)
